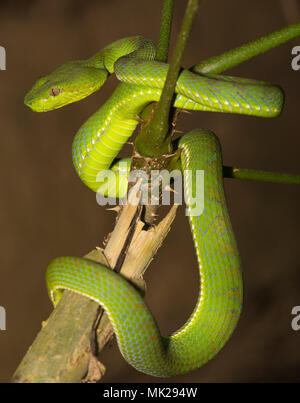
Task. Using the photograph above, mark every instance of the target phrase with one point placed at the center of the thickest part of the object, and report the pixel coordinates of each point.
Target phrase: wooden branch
(62, 351)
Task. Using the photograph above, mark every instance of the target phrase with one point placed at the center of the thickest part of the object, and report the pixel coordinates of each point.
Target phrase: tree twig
(233, 57)
(154, 140)
(165, 31)
(261, 176)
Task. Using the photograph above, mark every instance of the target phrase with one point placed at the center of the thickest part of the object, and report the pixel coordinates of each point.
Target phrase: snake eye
(54, 91)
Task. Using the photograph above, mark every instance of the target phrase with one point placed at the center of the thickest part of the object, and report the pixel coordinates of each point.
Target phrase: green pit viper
(95, 147)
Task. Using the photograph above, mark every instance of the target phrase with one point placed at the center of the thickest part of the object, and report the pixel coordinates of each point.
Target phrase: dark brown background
(47, 212)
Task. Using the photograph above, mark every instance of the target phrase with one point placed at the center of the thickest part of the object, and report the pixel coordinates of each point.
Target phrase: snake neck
(102, 136)
(134, 47)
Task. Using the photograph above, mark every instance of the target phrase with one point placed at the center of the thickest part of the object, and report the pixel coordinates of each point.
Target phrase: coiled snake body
(95, 147)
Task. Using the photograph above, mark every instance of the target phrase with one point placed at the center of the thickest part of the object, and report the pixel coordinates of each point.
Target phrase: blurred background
(46, 211)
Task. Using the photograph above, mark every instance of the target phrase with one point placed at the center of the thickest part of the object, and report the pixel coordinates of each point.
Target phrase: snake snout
(28, 102)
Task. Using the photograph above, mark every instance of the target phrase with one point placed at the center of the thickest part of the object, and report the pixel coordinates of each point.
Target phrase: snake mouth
(38, 105)
(30, 104)
(29, 101)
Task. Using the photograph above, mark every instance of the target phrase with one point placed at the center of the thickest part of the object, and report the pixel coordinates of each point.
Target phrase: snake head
(69, 83)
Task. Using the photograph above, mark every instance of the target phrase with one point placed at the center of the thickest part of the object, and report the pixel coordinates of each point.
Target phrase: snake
(95, 149)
